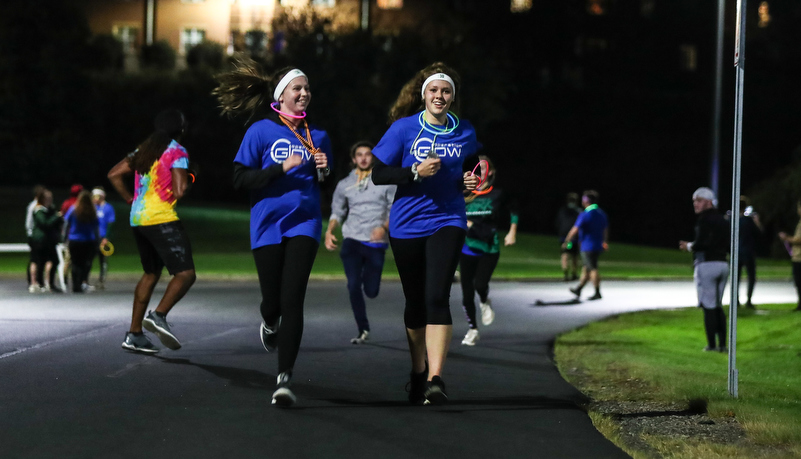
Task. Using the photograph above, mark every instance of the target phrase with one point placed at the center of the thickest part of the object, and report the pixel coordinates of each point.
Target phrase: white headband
(438, 76)
(291, 75)
(98, 192)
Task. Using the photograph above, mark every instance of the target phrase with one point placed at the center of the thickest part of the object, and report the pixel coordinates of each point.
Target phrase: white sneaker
(471, 337)
(487, 314)
(87, 288)
(34, 288)
(363, 336)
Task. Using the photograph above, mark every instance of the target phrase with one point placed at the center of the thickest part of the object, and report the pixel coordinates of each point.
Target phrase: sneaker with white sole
(364, 335)
(471, 337)
(435, 392)
(154, 323)
(138, 343)
(487, 314)
(283, 396)
(269, 336)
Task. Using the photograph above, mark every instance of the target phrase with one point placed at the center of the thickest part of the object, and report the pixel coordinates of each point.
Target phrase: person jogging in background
(362, 209)
(710, 266)
(159, 166)
(424, 152)
(565, 219)
(106, 217)
(485, 207)
(592, 228)
(281, 161)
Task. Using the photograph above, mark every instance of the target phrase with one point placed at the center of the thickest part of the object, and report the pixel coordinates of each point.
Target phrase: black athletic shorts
(164, 245)
(590, 260)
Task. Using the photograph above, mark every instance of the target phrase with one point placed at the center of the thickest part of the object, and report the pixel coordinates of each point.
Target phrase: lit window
(324, 3)
(190, 37)
(126, 35)
(764, 14)
(689, 57)
(596, 7)
(519, 6)
(390, 4)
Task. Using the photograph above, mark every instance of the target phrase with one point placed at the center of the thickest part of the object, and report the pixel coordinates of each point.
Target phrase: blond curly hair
(410, 101)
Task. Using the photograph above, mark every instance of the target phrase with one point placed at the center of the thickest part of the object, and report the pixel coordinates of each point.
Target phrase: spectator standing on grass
(711, 269)
(750, 231)
(281, 161)
(795, 254)
(565, 219)
(592, 228)
(82, 236)
(362, 209)
(106, 217)
(29, 232)
(47, 223)
(73, 197)
(160, 169)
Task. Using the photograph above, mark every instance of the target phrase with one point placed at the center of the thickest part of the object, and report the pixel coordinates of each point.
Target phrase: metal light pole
(739, 64)
(714, 166)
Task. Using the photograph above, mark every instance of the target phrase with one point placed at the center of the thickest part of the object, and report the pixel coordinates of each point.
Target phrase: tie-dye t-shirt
(154, 202)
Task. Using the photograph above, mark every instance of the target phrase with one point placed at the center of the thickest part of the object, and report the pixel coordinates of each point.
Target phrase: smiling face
(363, 158)
(438, 99)
(296, 96)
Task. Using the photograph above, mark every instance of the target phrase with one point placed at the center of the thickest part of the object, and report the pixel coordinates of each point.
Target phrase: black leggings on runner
(284, 271)
(475, 273)
(426, 266)
(715, 325)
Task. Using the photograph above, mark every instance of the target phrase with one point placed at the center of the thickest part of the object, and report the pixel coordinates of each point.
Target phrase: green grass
(656, 356)
(221, 244)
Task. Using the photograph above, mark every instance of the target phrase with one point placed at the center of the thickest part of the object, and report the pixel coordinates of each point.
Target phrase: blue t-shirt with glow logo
(422, 208)
(290, 205)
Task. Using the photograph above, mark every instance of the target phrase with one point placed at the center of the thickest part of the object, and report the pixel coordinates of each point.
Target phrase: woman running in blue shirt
(424, 152)
(281, 161)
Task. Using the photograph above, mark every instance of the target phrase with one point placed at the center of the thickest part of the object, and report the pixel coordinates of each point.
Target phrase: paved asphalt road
(68, 390)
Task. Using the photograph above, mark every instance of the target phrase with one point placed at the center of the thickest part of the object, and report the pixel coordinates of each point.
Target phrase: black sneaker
(575, 291)
(597, 296)
(269, 337)
(138, 343)
(283, 396)
(416, 387)
(435, 392)
(154, 323)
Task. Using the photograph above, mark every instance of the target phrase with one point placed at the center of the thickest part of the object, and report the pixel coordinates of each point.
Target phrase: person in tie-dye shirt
(160, 167)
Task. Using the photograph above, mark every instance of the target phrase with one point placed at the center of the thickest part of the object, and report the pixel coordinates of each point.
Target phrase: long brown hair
(169, 125)
(247, 89)
(84, 208)
(410, 101)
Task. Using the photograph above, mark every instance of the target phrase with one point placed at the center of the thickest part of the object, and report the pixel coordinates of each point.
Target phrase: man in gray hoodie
(362, 209)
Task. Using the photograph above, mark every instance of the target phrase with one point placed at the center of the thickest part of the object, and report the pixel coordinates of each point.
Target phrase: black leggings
(797, 279)
(715, 325)
(475, 273)
(284, 271)
(749, 263)
(426, 266)
(81, 253)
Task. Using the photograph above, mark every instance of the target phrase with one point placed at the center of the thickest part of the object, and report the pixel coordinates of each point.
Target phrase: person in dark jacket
(711, 268)
(47, 223)
(565, 219)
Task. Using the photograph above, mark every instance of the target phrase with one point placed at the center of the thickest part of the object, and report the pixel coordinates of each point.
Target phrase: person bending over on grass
(794, 242)
(424, 153)
(592, 227)
(159, 166)
(281, 161)
(364, 210)
(711, 270)
(485, 207)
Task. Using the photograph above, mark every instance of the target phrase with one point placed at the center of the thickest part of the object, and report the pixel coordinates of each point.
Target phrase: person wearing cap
(592, 228)
(159, 166)
(105, 216)
(281, 161)
(70, 201)
(711, 268)
(424, 152)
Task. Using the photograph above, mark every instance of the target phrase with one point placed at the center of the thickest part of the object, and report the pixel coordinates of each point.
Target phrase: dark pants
(715, 325)
(363, 265)
(475, 273)
(749, 262)
(797, 279)
(81, 253)
(284, 271)
(426, 266)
